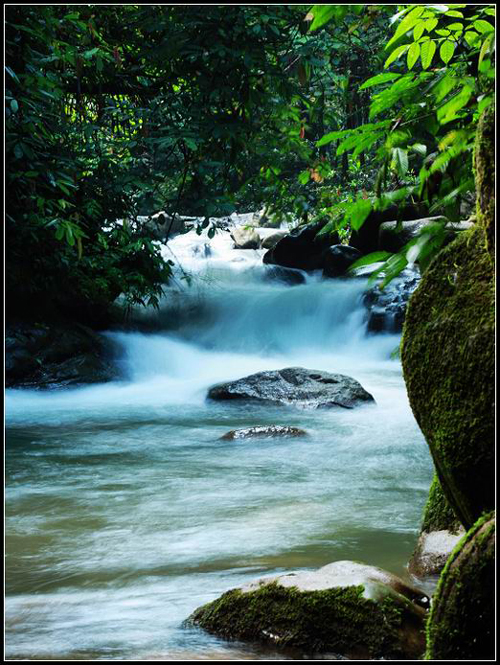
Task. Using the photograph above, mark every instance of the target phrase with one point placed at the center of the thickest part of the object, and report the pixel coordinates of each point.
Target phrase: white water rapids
(124, 510)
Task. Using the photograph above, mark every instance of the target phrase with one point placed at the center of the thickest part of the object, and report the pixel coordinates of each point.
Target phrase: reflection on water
(125, 511)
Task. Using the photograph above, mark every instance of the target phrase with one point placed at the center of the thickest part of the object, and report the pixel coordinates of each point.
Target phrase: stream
(124, 510)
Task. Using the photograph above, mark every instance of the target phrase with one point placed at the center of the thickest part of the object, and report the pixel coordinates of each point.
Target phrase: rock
(392, 239)
(160, 225)
(286, 275)
(448, 357)
(484, 164)
(386, 308)
(438, 514)
(300, 249)
(295, 385)
(461, 624)
(432, 552)
(264, 431)
(366, 239)
(347, 608)
(338, 258)
(245, 238)
(270, 239)
(56, 355)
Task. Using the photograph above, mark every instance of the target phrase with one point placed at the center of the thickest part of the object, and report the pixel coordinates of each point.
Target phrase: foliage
(422, 118)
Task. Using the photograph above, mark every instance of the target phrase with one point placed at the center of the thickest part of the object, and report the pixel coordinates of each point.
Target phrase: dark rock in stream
(338, 258)
(347, 608)
(263, 431)
(387, 307)
(286, 275)
(43, 356)
(307, 388)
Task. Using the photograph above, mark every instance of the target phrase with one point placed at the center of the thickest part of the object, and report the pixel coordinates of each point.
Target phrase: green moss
(449, 368)
(438, 514)
(461, 624)
(338, 620)
(484, 167)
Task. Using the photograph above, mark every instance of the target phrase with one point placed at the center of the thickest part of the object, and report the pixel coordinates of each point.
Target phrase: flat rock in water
(264, 431)
(346, 607)
(307, 388)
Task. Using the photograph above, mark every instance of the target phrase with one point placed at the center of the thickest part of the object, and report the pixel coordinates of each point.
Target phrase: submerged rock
(461, 624)
(287, 275)
(307, 388)
(263, 431)
(269, 240)
(56, 355)
(346, 608)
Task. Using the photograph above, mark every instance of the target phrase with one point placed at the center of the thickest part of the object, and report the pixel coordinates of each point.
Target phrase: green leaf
(378, 79)
(484, 49)
(359, 212)
(324, 13)
(331, 136)
(413, 55)
(14, 106)
(427, 50)
(456, 27)
(13, 74)
(368, 259)
(448, 111)
(471, 37)
(418, 30)
(304, 177)
(395, 54)
(483, 26)
(400, 161)
(446, 51)
(408, 22)
(60, 232)
(430, 24)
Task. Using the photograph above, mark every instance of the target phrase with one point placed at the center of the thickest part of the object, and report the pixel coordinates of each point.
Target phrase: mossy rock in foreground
(372, 615)
(448, 360)
(461, 624)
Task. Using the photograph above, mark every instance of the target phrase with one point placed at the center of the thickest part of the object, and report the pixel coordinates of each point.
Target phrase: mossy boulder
(484, 167)
(345, 608)
(461, 624)
(448, 360)
(438, 514)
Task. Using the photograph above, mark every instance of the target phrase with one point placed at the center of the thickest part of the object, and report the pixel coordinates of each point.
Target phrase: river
(124, 510)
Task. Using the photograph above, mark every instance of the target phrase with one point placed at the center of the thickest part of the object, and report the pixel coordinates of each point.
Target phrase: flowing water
(124, 510)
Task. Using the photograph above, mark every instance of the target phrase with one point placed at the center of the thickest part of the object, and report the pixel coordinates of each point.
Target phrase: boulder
(345, 608)
(440, 532)
(56, 355)
(393, 237)
(161, 226)
(245, 237)
(386, 307)
(271, 238)
(263, 432)
(287, 275)
(306, 388)
(461, 623)
(338, 258)
(432, 552)
(484, 167)
(366, 238)
(448, 352)
(301, 248)
(448, 358)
